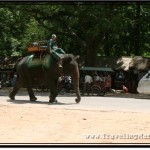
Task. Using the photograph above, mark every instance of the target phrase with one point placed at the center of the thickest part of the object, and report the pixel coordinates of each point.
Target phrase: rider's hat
(54, 35)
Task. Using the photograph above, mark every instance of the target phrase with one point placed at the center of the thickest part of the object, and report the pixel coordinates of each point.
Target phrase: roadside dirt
(21, 123)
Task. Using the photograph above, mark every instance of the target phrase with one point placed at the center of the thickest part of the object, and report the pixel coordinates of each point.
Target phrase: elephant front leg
(53, 94)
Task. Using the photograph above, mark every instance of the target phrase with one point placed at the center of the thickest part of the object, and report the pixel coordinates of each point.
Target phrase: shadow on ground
(23, 92)
(37, 102)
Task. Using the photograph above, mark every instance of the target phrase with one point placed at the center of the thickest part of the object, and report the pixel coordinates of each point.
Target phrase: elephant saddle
(36, 61)
(39, 46)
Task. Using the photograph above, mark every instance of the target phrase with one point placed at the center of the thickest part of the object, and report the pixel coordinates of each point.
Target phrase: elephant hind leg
(15, 90)
(12, 95)
(31, 94)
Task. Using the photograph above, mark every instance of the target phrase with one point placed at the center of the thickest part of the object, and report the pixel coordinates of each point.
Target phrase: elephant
(33, 71)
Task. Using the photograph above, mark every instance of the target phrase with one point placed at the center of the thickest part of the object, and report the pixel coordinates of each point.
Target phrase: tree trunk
(92, 46)
(107, 44)
(137, 31)
(90, 58)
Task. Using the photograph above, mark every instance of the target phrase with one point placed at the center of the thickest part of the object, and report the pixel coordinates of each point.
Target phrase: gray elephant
(35, 71)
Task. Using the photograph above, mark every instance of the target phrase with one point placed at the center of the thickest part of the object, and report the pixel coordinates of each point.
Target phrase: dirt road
(22, 121)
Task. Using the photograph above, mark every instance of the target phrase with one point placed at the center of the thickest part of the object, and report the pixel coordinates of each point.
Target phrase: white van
(144, 84)
(0, 84)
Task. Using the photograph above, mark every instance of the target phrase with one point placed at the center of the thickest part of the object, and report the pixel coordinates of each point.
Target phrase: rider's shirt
(88, 79)
(53, 44)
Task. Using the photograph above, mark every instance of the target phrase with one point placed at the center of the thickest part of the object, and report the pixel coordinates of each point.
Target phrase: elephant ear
(70, 58)
(77, 57)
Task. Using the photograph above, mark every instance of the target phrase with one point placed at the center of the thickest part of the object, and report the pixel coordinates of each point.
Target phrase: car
(0, 85)
(144, 84)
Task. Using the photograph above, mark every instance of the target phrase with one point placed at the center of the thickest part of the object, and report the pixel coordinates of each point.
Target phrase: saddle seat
(36, 60)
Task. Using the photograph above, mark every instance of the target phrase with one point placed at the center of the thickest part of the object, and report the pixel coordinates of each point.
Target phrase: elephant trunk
(75, 81)
(70, 67)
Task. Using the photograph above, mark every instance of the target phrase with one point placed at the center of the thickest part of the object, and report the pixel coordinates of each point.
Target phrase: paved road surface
(114, 102)
(23, 121)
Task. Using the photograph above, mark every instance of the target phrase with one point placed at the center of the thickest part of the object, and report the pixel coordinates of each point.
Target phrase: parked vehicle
(0, 85)
(4, 84)
(96, 88)
(42, 89)
(144, 84)
(65, 87)
(61, 89)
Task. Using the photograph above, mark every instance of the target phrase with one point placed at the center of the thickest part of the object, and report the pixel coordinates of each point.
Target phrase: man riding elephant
(33, 72)
(56, 52)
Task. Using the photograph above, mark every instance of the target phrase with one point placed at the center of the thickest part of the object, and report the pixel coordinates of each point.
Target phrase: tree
(89, 29)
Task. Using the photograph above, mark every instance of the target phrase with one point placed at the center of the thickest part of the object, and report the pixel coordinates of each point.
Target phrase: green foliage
(87, 29)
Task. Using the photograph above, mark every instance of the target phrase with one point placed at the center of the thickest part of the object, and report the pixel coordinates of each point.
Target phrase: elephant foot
(33, 99)
(53, 101)
(77, 100)
(11, 97)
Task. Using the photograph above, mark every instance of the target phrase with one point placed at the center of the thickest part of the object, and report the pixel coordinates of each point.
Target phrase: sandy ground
(21, 123)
